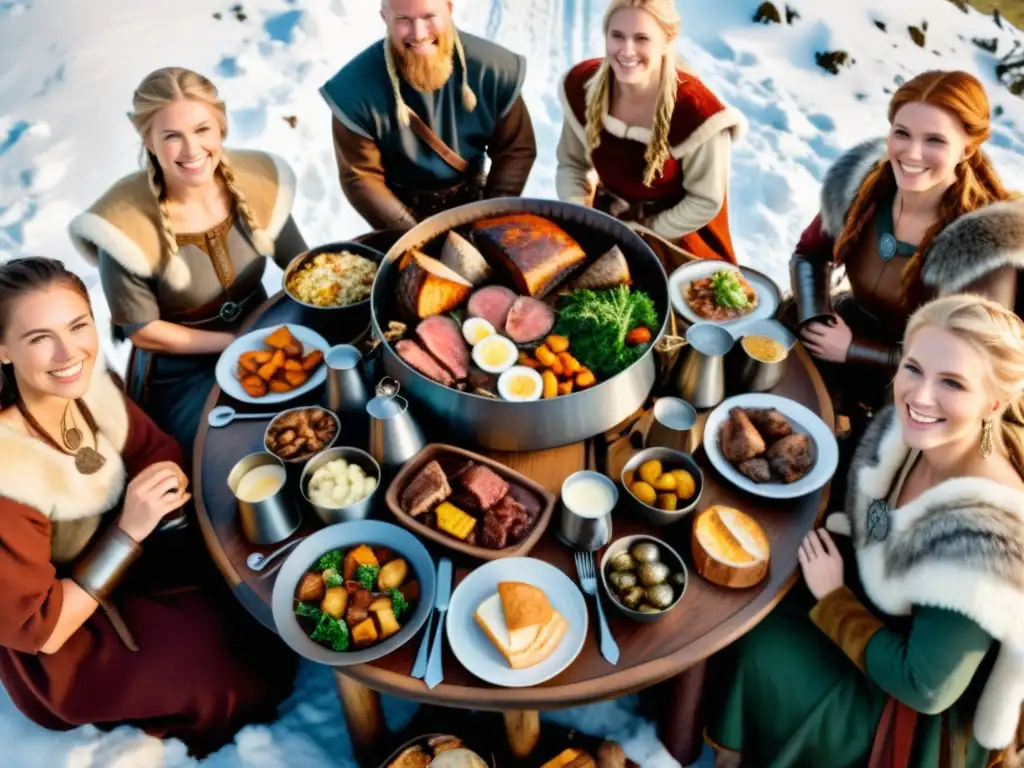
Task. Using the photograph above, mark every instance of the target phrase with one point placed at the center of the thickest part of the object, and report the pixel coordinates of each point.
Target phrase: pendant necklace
(88, 461)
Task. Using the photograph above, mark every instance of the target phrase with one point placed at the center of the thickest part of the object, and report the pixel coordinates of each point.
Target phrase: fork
(588, 580)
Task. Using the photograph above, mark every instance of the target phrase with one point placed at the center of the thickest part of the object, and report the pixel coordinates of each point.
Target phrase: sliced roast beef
(484, 485)
(420, 359)
(492, 304)
(426, 490)
(505, 523)
(529, 320)
(442, 337)
(527, 499)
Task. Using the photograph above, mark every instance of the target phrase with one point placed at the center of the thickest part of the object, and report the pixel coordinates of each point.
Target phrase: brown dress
(203, 668)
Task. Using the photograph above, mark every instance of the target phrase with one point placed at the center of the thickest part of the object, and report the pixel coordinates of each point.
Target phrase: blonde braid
(260, 239)
(598, 94)
(468, 97)
(156, 185)
(658, 151)
(401, 107)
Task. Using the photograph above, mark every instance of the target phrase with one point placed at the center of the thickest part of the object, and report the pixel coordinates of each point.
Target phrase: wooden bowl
(435, 450)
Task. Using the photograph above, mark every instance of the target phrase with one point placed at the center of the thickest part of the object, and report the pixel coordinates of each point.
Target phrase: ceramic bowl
(358, 510)
(672, 459)
(669, 556)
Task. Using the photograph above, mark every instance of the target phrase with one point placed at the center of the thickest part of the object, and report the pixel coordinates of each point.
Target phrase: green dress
(786, 695)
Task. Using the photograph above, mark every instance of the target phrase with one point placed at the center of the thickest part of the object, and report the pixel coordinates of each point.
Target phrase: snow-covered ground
(67, 71)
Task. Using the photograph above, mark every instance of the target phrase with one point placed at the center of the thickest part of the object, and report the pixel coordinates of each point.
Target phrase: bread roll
(729, 547)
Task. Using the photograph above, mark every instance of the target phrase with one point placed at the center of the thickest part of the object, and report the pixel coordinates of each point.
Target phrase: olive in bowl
(643, 577)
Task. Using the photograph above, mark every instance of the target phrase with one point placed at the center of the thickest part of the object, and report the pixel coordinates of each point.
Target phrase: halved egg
(495, 354)
(520, 384)
(476, 329)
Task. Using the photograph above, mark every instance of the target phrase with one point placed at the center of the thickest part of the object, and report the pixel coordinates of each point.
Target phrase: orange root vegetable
(639, 335)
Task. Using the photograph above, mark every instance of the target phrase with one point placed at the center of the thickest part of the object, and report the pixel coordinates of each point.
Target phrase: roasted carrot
(639, 335)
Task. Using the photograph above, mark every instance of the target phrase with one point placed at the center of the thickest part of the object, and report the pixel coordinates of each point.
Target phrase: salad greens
(728, 289)
(332, 578)
(331, 559)
(399, 605)
(597, 323)
(308, 611)
(366, 575)
(331, 631)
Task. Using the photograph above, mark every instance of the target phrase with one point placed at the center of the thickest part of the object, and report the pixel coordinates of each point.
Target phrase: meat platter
(530, 323)
(469, 503)
(770, 446)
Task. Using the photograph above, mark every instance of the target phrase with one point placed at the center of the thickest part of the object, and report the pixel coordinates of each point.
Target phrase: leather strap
(446, 153)
(894, 737)
(101, 568)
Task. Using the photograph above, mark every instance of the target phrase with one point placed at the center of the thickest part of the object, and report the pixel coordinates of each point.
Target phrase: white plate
(767, 292)
(227, 364)
(802, 419)
(478, 654)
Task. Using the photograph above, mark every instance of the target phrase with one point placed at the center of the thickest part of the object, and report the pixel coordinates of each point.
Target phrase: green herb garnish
(597, 323)
(332, 632)
(728, 290)
(330, 560)
(366, 575)
(308, 611)
(332, 578)
(399, 605)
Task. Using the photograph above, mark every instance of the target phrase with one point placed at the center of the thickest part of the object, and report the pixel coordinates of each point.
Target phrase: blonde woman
(915, 652)
(656, 139)
(182, 245)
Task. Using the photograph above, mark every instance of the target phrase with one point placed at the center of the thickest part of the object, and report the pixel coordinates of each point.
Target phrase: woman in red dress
(657, 140)
(102, 620)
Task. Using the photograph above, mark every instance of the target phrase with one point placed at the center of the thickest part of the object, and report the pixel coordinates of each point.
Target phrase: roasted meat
(421, 360)
(442, 338)
(756, 469)
(740, 438)
(505, 523)
(484, 485)
(426, 490)
(791, 457)
(492, 304)
(529, 320)
(770, 423)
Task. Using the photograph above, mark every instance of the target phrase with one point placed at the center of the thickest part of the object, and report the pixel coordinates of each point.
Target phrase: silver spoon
(223, 415)
(258, 561)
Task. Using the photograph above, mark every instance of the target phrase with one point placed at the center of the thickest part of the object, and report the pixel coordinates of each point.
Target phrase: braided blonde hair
(155, 91)
(599, 87)
(402, 109)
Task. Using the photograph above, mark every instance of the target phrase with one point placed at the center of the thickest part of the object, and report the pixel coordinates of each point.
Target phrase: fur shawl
(965, 251)
(125, 221)
(34, 474)
(958, 546)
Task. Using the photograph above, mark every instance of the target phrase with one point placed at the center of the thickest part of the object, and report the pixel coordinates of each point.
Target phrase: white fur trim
(839, 524)
(285, 196)
(729, 119)
(34, 474)
(963, 272)
(833, 217)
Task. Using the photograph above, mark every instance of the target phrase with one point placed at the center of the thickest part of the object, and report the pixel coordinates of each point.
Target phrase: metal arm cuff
(875, 354)
(811, 281)
(103, 565)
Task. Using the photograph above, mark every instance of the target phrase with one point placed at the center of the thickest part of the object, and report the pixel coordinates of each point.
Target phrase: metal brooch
(886, 246)
(878, 519)
(229, 311)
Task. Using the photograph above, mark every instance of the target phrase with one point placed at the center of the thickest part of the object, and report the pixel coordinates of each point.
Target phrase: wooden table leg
(523, 731)
(682, 728)
(363, 716)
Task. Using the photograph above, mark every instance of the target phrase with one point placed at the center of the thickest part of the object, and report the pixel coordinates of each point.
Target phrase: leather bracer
(874, 354)
(812, 287)
(102, 567)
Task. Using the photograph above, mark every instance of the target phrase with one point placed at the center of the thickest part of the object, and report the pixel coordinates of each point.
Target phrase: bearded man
(415, 114)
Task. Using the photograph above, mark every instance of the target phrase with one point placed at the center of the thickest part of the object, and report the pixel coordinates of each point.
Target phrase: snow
(67, 71)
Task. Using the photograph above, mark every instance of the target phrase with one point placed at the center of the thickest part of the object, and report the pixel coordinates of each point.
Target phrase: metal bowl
(668, 556)
(294, 461)
(345, 536)
(355, 315)
(674, 460)
(358, 510)
(509, 426)
(757, 375)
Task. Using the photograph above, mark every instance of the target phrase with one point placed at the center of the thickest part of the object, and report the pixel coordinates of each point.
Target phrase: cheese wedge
(729, 547)
(538, 628)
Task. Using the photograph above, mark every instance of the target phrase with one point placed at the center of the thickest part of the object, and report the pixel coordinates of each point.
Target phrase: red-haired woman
(657, 140)
(915, 216)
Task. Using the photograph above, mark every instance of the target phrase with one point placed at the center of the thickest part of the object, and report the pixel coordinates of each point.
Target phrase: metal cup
(346, 389)
(672, 425)
(272, 519)
(582, 531)
(395, 437)
(758, 375)
(701, 380)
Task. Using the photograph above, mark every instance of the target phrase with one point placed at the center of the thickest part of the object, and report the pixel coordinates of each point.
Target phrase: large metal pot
(507, 426)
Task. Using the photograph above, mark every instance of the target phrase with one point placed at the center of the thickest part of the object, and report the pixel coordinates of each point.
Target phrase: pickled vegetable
(650, 471)
(653, 573)
(622, 580)
(667, 482)
(661, 595)
(667, 502)
(643, 491)
(648, 608)
(631, 597)
(686, 486)
(646, 552)
(623, 562)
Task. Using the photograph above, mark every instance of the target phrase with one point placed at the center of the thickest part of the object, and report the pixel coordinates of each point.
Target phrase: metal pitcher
(395, 437)
(347, 393)
(701, 380)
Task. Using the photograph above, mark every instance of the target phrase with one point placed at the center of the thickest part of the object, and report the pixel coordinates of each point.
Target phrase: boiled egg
(495, 354)
(476, 329)
(520, 384)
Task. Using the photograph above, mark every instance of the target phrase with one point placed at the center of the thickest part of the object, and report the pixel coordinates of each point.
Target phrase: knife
(419, 668)
(435, 673)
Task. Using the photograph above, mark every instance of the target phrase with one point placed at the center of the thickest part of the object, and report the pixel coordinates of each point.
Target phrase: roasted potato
(311, 588)
(295, 378)
(276, 385)
(248, 361)
(312, 360)
(380, 604)
(392, 575)
(254, 386)
(365, 633)
(291, 364)
(386, 621)
(280, 338)
(557, 344)
(335, 602)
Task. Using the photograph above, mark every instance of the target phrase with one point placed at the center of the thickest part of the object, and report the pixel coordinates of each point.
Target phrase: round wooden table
(707, 619)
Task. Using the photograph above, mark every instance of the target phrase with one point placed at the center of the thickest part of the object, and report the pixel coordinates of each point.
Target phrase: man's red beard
(427, 72)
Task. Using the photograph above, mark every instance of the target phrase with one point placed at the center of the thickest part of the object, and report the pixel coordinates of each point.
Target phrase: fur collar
(125, 222)
(958, 546)
(34, 474)
(968, 249)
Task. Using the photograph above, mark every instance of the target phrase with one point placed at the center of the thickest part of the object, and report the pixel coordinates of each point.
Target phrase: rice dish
(333, 280)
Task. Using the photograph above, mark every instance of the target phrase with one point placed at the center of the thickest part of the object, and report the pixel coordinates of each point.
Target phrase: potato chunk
(392, 575)
(364, 633)
(335, 601)
(311, 588)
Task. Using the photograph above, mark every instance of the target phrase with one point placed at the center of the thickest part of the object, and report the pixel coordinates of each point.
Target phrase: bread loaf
(729, 547)
(426, 287)
(535, 252)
